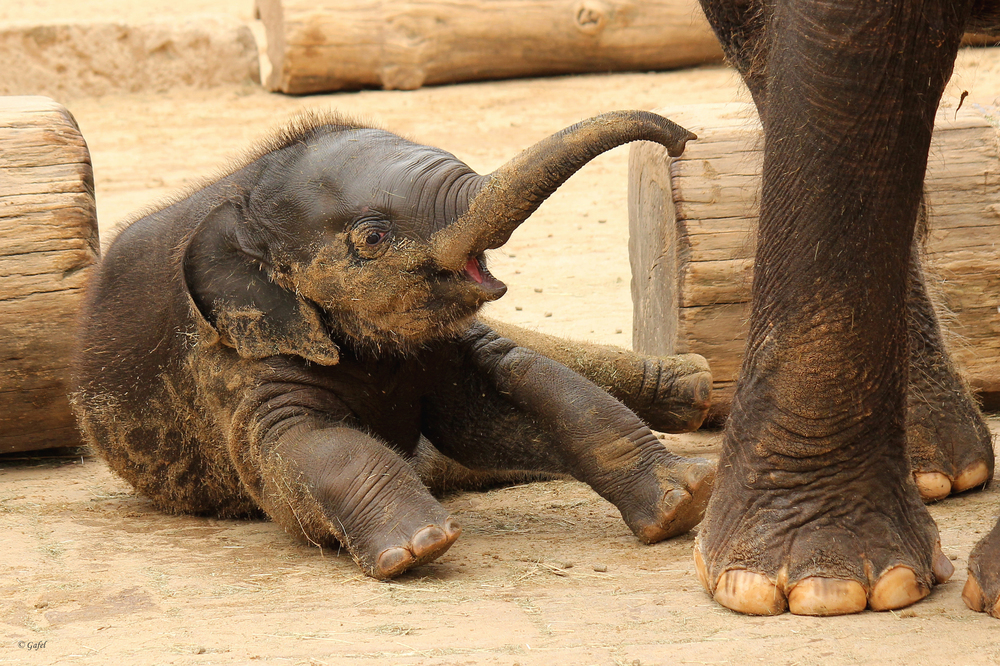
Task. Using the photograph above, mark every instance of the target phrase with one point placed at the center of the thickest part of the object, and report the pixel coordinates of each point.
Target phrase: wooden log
(404, 44)
(48, 241)
(691, 240)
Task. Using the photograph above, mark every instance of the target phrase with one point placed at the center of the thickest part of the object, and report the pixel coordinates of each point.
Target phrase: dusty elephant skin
(816, 510)
(948, 443)
(280, 340)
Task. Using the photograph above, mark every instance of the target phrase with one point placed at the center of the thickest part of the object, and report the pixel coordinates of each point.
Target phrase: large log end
(48, 242)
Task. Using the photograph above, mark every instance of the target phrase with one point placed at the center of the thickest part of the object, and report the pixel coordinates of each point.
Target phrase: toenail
(827, 596)
(700, 385)
(942, 567)
(427, 539)
(976, 474)
(452, 527)
(933, 486)
(700, 569)
(897, 588)
(972, 595)
(751, 593)
(393, 561)
(697, 475)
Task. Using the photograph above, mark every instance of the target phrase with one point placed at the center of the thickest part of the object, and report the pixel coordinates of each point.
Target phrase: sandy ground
(546, 573)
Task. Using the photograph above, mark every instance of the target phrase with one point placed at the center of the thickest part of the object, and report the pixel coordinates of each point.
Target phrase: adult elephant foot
(948, 443)
(982, 588)
(828, 538)
(816, 509)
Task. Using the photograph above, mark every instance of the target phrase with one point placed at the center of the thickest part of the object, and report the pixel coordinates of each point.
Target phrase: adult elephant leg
(982, 587)
(949, 445)
(815, 509)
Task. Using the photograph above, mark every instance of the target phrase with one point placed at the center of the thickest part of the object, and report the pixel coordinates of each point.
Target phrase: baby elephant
(280, 340)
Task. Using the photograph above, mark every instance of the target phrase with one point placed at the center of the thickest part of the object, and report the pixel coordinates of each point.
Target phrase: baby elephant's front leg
(601, 442)
(332, 483)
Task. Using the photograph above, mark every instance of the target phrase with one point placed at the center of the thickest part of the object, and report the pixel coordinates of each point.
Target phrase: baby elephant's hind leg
(669, 393)
(510, 407)
(335, 483)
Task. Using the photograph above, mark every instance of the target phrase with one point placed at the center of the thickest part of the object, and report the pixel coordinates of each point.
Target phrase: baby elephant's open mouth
(475, 270)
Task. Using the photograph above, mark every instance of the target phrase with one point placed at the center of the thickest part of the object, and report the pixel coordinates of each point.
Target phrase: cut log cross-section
(48, 239)
(403, 44)
(691, 241)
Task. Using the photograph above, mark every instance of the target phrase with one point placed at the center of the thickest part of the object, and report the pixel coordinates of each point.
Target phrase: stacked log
(404, 44)
(691, 240)
(48, 241)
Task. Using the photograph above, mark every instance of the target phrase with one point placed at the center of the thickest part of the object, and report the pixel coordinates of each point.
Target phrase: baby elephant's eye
(369, 238)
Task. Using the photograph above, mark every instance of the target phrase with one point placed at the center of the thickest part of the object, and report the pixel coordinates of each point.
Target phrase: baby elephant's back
(133, 393)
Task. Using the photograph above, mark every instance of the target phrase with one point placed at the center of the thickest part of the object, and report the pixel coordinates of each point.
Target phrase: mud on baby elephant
(281, 340)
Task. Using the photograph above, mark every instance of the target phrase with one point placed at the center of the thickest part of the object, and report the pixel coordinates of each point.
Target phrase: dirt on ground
(545, 573)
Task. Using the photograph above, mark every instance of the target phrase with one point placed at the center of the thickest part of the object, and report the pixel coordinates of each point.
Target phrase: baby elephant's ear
(230, 285)
(256, 333)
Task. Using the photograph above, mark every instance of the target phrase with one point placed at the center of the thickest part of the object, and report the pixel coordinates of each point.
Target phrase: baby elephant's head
(382, 238)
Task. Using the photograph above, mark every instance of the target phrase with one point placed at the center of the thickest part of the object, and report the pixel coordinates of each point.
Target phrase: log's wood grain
(404, 44)
(48, 242)
(691, 240)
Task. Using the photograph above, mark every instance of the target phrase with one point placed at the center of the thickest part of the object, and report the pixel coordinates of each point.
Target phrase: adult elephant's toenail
(976, 474)
(749, 592)
(973, 596)
(897, 588)
(933, 486)
(700, 569)
(942, 566)
(827, 596)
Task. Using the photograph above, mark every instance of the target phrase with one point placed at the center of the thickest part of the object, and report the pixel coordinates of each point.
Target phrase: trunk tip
(677, 148)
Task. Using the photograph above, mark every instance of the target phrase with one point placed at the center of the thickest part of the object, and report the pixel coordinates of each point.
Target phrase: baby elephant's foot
(428, 543)
(369, 499)
(680, 393)
(982, 588)
(400, 532)
(667, 496)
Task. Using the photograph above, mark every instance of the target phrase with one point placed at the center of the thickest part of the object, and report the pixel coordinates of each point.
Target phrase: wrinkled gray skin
(281, 339)
(847, 409)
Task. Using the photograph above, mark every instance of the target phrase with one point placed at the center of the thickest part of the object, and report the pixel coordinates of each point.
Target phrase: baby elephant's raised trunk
(507, 197)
